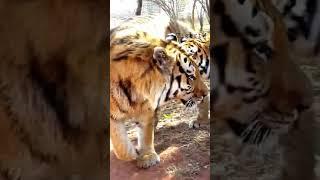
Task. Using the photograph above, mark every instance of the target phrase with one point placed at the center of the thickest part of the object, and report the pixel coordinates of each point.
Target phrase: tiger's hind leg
(122, 146)
(203, 108)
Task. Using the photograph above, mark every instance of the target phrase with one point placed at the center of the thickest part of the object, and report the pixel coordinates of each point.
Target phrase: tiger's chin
(192, 106)
(263, 131)
(192, 103)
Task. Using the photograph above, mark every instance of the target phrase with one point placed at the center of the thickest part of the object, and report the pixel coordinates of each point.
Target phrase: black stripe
(303, 25)
(287, 8)
(126, 87)
(251, 31)
(236, 126)
(311, 11)
(248, 66)
(220, 56)
(316, 49)
(181, 70)
(184, 101)
(301, 108)
(254, 12)
(249, 100)
(178, 78)
(51, 79)
(123, 55)
(232, 88)
(293, 33)
(168, 92)
(120, 57)
(241, 1)
(227, 25)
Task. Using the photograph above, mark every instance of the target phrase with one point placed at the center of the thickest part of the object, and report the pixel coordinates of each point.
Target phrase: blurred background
(193, 12)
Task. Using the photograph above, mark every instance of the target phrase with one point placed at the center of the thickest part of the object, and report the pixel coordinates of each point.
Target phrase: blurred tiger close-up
(261, 99)
(53, 90)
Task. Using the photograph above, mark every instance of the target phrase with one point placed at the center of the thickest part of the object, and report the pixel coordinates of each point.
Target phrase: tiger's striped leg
(203, 108)
(147, 154)
(122, 146)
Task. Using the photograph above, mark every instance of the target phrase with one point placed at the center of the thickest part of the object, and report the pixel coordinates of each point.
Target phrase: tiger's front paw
(148, 160)
(195, 124)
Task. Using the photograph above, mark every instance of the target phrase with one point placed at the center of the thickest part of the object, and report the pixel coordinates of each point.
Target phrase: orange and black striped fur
(197, 46)
(146, 72)
(52, 90)
(263, 101)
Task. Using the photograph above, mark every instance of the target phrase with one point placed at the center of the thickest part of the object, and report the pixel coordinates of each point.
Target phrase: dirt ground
(184, 152)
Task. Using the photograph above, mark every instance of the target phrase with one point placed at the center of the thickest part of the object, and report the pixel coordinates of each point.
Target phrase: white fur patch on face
(187, 65)
(242, 16)
(190, 50)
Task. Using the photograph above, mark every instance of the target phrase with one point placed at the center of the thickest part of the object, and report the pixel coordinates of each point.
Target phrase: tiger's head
(196, 46)
(258, 98)
(185, 82)
(203, 37)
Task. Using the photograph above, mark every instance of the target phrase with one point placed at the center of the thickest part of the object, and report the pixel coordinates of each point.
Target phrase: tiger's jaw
(192, 102)
(264, 125)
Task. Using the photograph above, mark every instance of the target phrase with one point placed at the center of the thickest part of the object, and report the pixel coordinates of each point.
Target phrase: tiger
(197, 45)
(53, 76)
(258, 99)
(300, 17)
(145, 73)
(202, 37)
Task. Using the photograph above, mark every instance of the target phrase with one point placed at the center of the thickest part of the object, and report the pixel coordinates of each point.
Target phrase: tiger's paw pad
(148, 160)
(194, 124)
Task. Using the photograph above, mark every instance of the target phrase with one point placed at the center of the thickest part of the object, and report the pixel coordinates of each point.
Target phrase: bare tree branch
(139, 7)
(171, 7)
(205, 6)
(192, 15)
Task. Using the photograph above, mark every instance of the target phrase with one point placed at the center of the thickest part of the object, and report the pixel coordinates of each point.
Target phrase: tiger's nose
(202, 94)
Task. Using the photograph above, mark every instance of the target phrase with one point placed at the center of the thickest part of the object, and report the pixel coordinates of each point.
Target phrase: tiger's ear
(171, 37)
(183, 39)
(160, 58)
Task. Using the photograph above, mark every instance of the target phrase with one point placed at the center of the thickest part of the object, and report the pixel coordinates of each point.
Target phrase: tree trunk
(139, 8)
(201, 19)
(192, 16)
